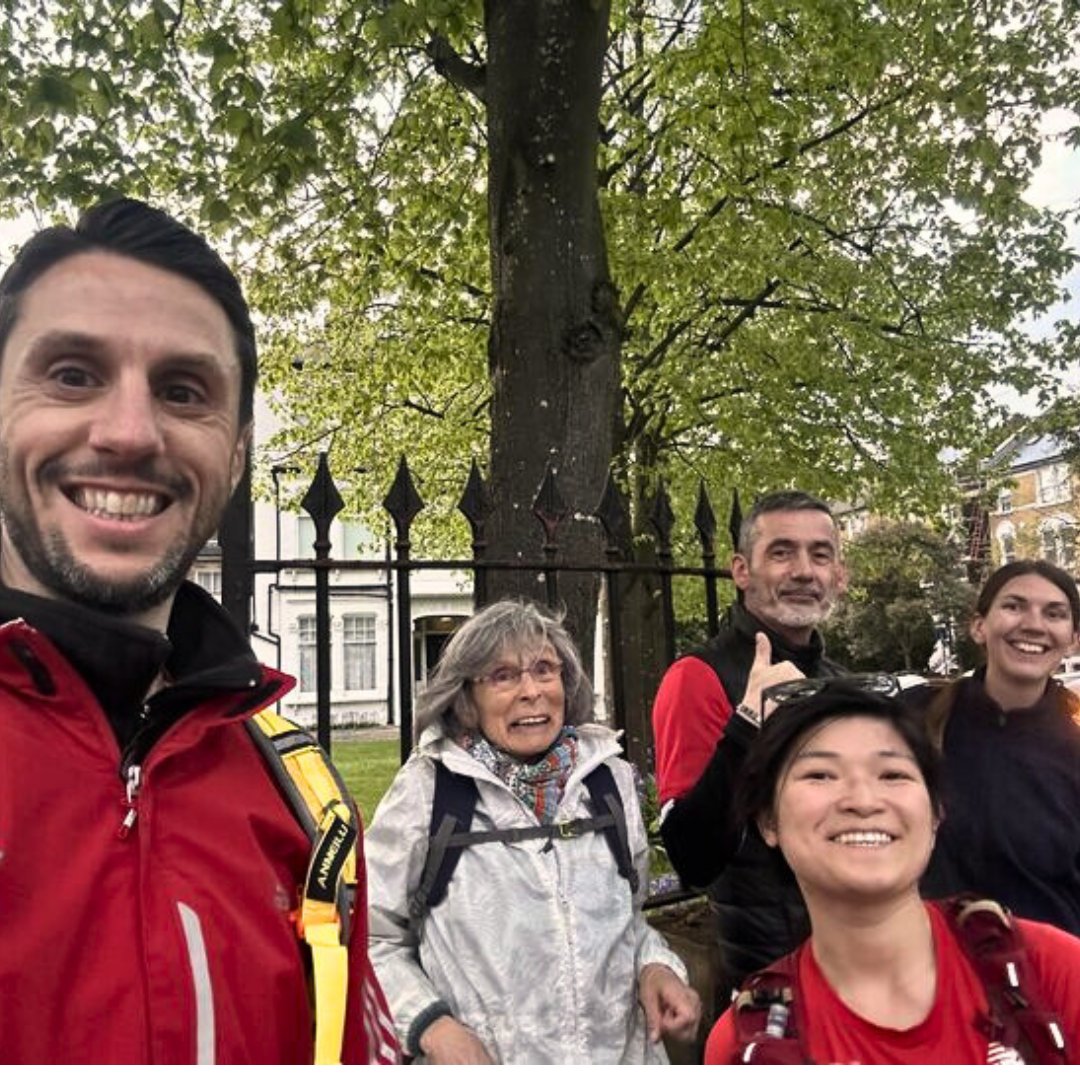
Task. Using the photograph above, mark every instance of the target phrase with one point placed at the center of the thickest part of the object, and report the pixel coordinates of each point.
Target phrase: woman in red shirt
(844, 783)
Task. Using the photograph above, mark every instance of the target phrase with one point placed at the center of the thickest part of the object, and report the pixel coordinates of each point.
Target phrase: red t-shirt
(836, 1035)
(689, 716)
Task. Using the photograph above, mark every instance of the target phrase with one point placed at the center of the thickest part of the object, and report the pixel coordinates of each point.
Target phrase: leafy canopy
(815, 211)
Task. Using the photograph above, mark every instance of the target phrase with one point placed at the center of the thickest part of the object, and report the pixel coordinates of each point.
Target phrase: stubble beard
(799, 618)
(773, 609)
(49, 560)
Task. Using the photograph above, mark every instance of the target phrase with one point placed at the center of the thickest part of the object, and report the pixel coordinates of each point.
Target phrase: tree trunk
(555, 333)
(644, 649)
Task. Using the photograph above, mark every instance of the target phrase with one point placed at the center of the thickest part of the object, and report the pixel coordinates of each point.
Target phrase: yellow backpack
(322, 804)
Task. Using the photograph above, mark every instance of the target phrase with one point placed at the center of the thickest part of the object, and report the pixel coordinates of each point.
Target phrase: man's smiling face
(793, 573)
(120, 440)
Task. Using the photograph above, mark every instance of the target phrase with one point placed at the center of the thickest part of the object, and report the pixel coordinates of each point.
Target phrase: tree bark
(555, 334)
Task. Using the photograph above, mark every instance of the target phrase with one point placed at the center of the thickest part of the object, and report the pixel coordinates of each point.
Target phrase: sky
(13, 231)
(1056, 186)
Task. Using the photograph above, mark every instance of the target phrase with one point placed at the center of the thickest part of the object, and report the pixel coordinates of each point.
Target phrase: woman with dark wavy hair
(1011, 740)
(537, 951)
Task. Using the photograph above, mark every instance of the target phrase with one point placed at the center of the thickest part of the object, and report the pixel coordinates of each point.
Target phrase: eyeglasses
(878, 682)
(509, 678)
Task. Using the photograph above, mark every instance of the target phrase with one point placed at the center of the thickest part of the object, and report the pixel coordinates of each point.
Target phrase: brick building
(1036, 512)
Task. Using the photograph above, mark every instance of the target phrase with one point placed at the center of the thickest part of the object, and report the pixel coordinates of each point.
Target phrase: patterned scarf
(538, 784)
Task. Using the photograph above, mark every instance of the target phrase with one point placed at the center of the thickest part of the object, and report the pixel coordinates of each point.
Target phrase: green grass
(368, 768)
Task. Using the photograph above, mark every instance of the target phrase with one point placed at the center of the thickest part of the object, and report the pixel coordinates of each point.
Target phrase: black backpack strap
(766, 1027)
(557, 830)
(994, 945)
(604, 793)
(452, 809)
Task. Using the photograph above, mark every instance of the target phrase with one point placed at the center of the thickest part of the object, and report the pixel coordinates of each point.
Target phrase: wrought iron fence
(323, 502)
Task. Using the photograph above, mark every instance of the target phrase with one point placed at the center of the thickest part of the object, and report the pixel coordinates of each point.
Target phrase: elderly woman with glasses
(507, 867)
(845, 784)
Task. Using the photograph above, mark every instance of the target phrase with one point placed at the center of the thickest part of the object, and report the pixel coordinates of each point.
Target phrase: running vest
(768, 1033)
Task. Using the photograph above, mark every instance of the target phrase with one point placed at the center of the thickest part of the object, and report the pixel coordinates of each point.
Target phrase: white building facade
(364, 640)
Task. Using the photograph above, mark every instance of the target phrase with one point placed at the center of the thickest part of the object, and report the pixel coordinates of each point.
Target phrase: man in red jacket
(149, 865)
(707, 713)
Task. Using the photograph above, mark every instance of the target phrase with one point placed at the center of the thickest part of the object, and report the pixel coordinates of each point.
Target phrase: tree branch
(782, 162)
(424, 410)
(453, 67)
(749, 309)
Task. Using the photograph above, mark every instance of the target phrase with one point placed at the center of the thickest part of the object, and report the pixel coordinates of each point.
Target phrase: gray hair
(772, 503)
(518, 626)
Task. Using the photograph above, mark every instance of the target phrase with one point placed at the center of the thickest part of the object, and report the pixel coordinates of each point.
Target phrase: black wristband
(749, 714)
(435, 1011)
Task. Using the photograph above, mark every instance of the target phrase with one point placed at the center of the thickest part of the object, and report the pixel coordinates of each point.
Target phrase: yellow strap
(307, 769)
(330, 964)
(320, 921)
(320, 791)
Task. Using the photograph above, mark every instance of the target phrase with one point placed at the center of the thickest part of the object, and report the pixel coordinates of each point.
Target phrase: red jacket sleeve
(689, 717)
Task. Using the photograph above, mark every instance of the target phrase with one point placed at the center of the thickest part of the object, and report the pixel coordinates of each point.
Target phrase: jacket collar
(202, 653)
(980, 704)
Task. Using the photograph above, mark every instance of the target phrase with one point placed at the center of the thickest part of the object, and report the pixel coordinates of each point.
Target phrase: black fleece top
(699, 830)
(202, 654)
(760, 912)
(1012, 803)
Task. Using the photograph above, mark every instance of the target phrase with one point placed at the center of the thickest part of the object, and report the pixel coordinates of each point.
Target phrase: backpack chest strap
(557, 830)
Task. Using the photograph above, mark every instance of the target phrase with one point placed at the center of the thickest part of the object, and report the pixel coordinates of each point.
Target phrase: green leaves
(815, 216)
(50, 93)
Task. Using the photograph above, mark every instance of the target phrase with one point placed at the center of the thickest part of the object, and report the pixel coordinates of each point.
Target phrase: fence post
(662, 519)
(237, 550)
(734, 528)
(403, 503)
(612, 514)
(705, 520)
(323, 502)
(551, 510)
(476, 505)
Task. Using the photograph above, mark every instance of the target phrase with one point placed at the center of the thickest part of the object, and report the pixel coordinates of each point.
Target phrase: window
(356, 541)
(1058, 542)
(1052, 483)
(1006, 537)
(359, 658)
(210, 580)
(1067, 544)
(305, 537)
(305, 634)
(1004, 502)
(1048, 542)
